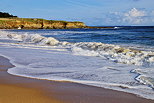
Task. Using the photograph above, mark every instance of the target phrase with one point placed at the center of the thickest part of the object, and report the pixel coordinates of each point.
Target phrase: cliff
(28, 23)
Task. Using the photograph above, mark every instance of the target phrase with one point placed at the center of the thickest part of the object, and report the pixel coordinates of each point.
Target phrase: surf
(121, 57)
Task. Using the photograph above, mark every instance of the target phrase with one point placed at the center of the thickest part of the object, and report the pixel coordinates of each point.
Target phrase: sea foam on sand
(91, 63)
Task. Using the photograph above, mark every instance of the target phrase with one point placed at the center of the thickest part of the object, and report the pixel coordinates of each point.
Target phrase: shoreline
(14, 88)
(56, 92)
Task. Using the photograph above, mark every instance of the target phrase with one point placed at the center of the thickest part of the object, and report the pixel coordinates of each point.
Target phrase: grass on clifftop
(36, 20)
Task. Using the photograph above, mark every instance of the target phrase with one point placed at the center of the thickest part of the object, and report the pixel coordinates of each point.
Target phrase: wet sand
(15, 89)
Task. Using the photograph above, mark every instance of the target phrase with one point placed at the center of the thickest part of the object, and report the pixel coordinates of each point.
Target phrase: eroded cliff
(28, 23)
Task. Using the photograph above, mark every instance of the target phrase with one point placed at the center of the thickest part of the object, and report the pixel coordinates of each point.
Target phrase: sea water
(120, 58)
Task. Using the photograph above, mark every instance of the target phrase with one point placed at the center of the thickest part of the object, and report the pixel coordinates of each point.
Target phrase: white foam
(145, 76)
(30, 38)
(36, 57)
(114, 53)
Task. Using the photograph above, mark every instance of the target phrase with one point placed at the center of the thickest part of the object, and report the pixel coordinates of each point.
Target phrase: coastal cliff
(29, 23)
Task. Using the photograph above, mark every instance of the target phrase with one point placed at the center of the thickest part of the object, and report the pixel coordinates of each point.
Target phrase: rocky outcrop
(27, 23)
(75, 25)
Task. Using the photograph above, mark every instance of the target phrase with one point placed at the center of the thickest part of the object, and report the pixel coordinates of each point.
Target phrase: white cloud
(134, 16)
(135, 13)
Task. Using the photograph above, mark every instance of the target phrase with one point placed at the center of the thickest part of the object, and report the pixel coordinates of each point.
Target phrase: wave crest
(32, 38)
(114, 53)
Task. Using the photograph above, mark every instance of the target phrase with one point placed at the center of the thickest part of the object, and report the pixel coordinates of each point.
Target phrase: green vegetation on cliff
(8, 21)
(34, 23)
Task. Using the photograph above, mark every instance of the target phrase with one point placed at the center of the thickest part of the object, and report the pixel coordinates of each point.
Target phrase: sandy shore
(14, 89)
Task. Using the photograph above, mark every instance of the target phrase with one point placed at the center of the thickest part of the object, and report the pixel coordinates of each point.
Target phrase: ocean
(119, 58)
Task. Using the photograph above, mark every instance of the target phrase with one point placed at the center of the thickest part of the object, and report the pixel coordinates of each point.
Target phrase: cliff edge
(30, 23)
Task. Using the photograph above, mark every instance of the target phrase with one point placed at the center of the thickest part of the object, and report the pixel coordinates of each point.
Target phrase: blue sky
(92, 12)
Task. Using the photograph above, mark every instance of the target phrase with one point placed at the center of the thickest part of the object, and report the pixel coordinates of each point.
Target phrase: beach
(15, 89)
(77, 51)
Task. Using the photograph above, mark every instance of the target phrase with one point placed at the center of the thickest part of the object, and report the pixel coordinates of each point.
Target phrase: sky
(91, 12)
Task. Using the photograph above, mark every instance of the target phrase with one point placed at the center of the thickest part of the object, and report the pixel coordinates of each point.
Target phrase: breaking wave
(112, 52)
(30, 38)
(115, 53)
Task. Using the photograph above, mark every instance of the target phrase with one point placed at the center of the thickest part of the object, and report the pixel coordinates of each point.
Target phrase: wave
(145, 76)
(30, 38)
(112, 52)
(115, 53)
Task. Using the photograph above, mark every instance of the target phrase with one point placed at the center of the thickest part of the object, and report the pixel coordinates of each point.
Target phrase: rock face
(27, 23)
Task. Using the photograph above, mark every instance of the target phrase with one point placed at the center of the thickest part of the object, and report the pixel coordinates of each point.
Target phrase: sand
(15, 89)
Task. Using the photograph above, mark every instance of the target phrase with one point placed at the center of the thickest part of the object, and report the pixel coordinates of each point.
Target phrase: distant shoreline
(36, 23)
